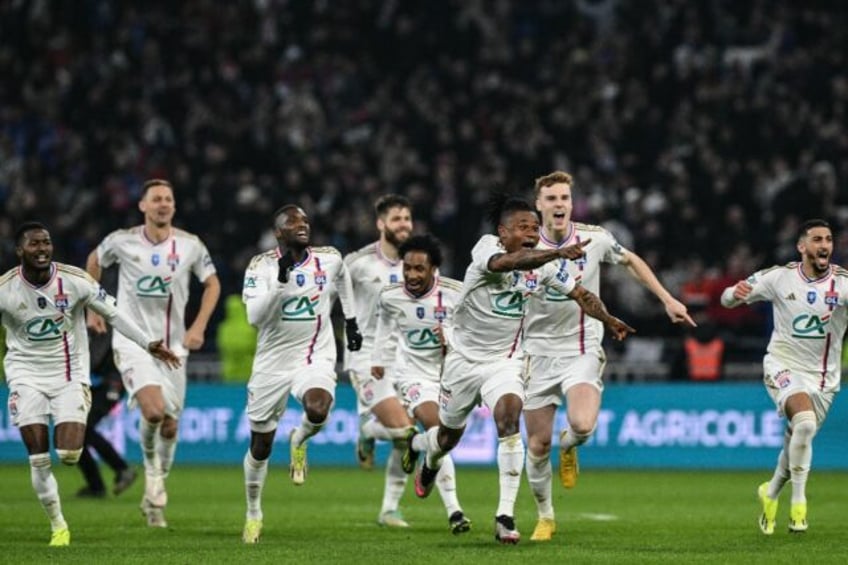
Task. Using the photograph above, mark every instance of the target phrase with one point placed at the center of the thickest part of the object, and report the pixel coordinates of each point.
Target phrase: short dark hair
(25, 227)
(389, 201)
(425, 243)
(150, 183)
(282, 210)
(502, 204)
(810, 224)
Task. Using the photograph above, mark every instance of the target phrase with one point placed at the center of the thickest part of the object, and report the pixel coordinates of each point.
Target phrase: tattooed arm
(594, 307)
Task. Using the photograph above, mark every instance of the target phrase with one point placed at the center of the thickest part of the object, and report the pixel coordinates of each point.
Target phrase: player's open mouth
(42, 258)
(559, 215)
(529, 244)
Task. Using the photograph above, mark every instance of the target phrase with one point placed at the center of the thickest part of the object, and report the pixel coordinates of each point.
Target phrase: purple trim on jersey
(808, 279)
(53, 272)
(383, 258)
(314, 340)
(551, 243)
(66, 348)
(278, 254)
(146, 238)
(318, 271)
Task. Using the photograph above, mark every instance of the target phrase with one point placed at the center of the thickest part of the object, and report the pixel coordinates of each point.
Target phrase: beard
(394, 238)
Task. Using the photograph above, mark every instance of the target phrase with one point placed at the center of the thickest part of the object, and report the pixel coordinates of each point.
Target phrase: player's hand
(742, 290)
(194, 339)
(618, 329)
(378, 372)
(678, 313)
(285, 264)
(157, 349)
(574, 251)
(95, 321)
(354, 338)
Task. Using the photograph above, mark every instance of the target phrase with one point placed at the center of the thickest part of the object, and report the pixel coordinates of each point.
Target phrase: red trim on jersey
(516, 339)
(318, 271)
(168, 320)
(314, 340)
(824, 360)
(67, 350)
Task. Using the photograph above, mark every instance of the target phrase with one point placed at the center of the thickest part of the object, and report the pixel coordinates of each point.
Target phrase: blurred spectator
(701, 357)
(688, 125)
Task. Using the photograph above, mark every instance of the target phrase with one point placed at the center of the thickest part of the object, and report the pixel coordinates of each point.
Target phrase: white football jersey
(809, 319)
(153, 280)
(369, 271)
(556, 325)
(411, 321)
(489, 319)
(293, 318)
(45, 327)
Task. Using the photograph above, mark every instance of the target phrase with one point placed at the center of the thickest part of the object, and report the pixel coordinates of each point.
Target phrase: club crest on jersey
(811, 296)
(393, 278)
(419, 311)
(320, 278)
(300, 279)
(61, 301)
(42, 302)
(173, 260)
(155, 259)
(13, 403)
(531, 280)
(440, 313)
(831, 298)
(783, 379)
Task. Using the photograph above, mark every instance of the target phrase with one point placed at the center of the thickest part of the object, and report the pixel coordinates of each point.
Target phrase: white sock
(446, 483)
(165, 448)
(395, 482)
(306, 430)
(781, 471)
(254, 480)
(430, 442)
(801, 452)
(373, 429)
(573, 439)
(147, 433)
(510, 464)
(539, 474)
(47, 490)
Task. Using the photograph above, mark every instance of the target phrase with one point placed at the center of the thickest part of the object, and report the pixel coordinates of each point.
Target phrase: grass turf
(611, 517)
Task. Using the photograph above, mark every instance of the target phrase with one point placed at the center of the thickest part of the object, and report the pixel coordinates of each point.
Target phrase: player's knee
(804, 425)
(539, 446)
(168, 430)
(69, 456)
(581, 431)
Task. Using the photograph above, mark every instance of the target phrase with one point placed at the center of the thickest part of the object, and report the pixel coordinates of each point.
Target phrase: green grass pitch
(611, 517)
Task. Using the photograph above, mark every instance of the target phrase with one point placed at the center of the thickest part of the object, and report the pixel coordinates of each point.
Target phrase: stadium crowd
(700, 133)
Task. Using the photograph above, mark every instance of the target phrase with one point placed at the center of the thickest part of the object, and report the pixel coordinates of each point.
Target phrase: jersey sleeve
(106, 254)
(484, 250)
(203, 267)
(557, 278)
(613, 251)
(384, 345)
(258, 292)
(344, 289)
(762, 285)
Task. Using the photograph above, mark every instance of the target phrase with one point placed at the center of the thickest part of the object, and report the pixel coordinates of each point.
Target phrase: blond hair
(551, 179)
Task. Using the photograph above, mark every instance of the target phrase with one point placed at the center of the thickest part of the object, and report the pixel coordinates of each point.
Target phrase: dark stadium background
(699, 133)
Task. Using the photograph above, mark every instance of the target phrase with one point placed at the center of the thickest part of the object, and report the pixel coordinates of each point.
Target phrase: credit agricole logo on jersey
(509, 303)
(300, 308)
(553, 295)
(44, 328)
(153, 286)
(810, 326)
(423, 339)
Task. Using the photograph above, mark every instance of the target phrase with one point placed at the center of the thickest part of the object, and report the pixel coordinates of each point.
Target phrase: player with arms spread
(412, 314)
(156, 262)
(803, 362)
(563, 345)
(42, 306)
(484, 358)
(289, 292)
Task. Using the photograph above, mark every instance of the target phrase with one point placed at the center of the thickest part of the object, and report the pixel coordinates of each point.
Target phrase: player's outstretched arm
(594, 307)
(642, 272)
(92, 319)
(528, 259)
(735, 295)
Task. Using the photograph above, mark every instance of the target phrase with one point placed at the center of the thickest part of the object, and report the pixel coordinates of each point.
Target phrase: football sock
(539, 474)
(801, 452)
(306, 430)
(254, 480)
(446, 483)
(395, 481)
(165, 448)
(781, 471)
(47, 490)
(510, 464)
